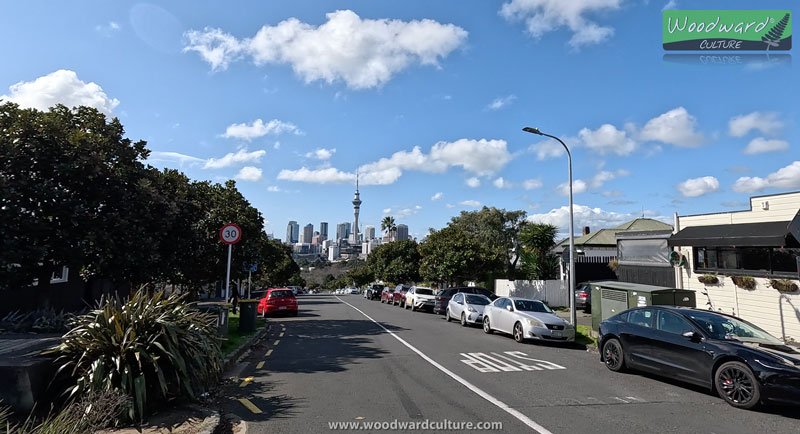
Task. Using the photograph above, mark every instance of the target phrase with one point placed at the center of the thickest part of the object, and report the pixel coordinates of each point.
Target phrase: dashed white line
(478, 391)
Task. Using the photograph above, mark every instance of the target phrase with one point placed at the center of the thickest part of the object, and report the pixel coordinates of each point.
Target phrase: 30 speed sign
(230, 234)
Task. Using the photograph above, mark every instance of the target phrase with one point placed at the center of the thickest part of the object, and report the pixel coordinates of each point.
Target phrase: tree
(276, 266)
(388, 225)
(499, 230)
(360, 276)
(398, 261)
(538, 261)
(454, 256)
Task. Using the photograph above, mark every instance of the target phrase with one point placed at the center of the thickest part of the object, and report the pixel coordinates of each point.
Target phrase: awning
(766, 234)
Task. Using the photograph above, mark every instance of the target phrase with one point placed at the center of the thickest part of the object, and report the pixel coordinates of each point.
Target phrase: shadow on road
(260, 394)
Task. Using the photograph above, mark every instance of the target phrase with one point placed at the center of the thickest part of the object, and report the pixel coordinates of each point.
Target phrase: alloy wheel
(737, 385)
(487, 328)
(518, 334)
(463, 320)
(612, 355)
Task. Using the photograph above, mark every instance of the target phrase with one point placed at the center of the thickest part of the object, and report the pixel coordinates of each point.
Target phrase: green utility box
(612, 297)
(247, 315)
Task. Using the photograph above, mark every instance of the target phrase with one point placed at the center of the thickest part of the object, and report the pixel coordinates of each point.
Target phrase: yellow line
(280, 335)
(250, 406)
(277, 341)
(268, 353)
(260, 365)
(246, 380)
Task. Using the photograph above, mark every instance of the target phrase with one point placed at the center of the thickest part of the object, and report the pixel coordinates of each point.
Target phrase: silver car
(468, 308)
(526, 319)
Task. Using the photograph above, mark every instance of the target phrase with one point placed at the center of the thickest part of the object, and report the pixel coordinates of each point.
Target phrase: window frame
(687, 322)
(739, 270)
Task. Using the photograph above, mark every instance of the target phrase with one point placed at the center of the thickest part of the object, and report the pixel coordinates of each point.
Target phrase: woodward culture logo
(727, 30)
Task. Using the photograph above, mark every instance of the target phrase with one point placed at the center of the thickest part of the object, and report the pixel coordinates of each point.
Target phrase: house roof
(773, 234)
(643, 224)
(607, 237)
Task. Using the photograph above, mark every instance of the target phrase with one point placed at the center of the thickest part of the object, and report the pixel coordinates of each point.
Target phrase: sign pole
(249, 273)
(230, 234)
(228, 276)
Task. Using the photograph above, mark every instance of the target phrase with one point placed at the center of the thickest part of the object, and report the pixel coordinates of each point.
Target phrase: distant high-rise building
(369, 233)
(402, 232)
(323, 230)
(342, 231)
(292, 232)
(308, 234)
(356, 208)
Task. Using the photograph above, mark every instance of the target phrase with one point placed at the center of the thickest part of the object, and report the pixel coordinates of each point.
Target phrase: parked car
(373, 292)
(743, 363)
(526, 319)
(444, 296)
(353, 291)
(399, 295)
(387, 295)
(583, 297)
(420, 297)
(278, 300)
(467, 308)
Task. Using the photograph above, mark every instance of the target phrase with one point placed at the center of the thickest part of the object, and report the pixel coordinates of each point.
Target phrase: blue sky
(425, 99)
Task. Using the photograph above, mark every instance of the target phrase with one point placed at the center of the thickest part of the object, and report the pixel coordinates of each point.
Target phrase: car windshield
(424, 291)
(728, 328)
(531, 306)
(281, 293)
(377, 286)
(478, 300)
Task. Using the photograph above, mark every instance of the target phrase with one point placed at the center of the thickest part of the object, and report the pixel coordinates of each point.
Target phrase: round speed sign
(230, 234)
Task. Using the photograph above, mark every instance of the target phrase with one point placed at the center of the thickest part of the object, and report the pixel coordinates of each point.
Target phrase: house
(643, 257)
(760, 243)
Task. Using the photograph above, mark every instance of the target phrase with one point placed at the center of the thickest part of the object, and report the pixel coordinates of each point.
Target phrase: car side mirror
(510, 309)
(692, 336)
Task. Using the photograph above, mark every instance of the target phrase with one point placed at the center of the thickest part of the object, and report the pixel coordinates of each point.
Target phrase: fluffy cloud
(501, 102)
(676, 127)
(321, 154)
(471, 203)
(363, 53)
(578, 187)
(273, 189)
(596, 218)
(697, 187)
(407, 212)
(767, 123)
(258, 129)
(547, 149)
(107, 29)
(173, 157)
(473, 182)
(603, 176)
(328, 175)
(241, 156)
(437, 197)
(501, 183)
(482, 157)
(760, 145)
(60, 87)
(607, 139)
(543, 16)
(531, 184)
(785, 178)
(249, 173)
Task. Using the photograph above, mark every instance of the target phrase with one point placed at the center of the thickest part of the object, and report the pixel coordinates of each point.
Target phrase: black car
(443, 297)
(373, 292)
(744, 364)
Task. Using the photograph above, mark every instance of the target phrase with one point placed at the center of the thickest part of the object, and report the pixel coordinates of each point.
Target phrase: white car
(467, 308)
(420, 297)
(526, 319)
(353, 290)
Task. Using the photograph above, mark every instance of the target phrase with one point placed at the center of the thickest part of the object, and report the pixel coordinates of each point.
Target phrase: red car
(278, 300)
(387, 295)
(399, 296)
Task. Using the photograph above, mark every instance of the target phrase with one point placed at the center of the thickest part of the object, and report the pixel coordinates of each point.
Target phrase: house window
(759, 261)
(785, 260)
(61, 275)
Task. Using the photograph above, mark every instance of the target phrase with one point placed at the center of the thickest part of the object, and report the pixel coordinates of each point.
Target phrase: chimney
(586, 230)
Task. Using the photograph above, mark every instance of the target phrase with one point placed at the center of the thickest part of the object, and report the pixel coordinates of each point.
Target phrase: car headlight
(471, 309)
(777, 363)
(535, 322)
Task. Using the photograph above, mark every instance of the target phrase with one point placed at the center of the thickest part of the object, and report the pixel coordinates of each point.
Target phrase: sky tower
(356, 208)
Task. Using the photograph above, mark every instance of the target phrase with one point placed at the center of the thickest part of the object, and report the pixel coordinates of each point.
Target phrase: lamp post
(572, 313)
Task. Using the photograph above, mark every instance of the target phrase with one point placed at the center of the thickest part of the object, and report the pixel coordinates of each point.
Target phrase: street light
(572, 313)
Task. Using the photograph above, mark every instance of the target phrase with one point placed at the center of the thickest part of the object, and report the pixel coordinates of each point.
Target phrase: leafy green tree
(499, 230)
(538, 262)
(360, 276)
(398, 261)
(454, 256)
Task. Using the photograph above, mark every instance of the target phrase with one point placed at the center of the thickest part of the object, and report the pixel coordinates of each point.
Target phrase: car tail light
(583, 295)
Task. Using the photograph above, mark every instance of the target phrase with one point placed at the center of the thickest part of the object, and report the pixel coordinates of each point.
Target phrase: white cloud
(482, 157)
(60, 87)
(697, 187)
(437, 197)
(363, 53)
(406, 212)
(387, 210)
(607, 139)
(760, 145)
(450, 205)
(258, 129)
(543, 16)
(471, 203)
(595, 218)
(473, 182)
(612, 193)
(547, 149)
(767, 123)
(531, 184)
(785, 178)
(328, 175)
(676, 127)
(173, 157)
(249, 173)
(603, 176)
(501, 183)
(671, 4)
(273, 188)
(107, 29)
(578, 186)
(321, 154)
(501, 102)
(241, 156)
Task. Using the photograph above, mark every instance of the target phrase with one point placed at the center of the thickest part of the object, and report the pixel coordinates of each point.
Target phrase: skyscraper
(369, 233)
(342, 231)
(292, 232)
(356, 208)
(308, 234)
(323, 230)
(402, 232)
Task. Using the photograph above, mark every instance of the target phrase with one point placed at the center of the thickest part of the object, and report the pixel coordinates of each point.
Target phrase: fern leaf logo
(773, 37)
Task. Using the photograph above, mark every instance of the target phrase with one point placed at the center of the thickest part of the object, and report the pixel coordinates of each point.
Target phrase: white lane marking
(477, 364)
(478, 391)
(521, 364)
(499, 362)
(543, 363)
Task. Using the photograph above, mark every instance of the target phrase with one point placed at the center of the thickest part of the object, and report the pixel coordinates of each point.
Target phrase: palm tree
(388, 225)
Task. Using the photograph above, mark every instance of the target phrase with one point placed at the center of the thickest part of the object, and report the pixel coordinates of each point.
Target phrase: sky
(425, 100)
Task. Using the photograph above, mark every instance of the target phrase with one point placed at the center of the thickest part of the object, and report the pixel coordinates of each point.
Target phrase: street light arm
(537, 132)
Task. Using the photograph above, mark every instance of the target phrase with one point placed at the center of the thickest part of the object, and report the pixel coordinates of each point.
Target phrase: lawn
(582, 336)
(235, 337)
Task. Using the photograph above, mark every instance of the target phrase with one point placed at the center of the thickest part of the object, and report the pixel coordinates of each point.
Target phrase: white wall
(552, 292)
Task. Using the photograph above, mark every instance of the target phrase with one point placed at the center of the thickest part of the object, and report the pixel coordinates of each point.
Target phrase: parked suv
(373, 292)
(420, 297)
(399, 296)
(444, 296)
(387, 295)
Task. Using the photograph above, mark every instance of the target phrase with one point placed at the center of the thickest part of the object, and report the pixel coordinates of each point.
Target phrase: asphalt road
(334, 364)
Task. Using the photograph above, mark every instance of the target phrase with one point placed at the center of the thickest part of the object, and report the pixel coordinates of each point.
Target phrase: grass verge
(235, 337)
(582, 336)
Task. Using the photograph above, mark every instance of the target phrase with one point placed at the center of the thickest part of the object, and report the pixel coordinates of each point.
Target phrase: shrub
(708, 279)
(152, 346)
(745, 282)
(783, 285)
(41, 321)
(87, 415)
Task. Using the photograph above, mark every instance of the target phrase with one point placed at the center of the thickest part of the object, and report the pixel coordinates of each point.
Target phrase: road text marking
(250, 406)
(509, 361)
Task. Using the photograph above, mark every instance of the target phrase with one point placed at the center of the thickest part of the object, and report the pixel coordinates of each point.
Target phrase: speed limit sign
(230, 234)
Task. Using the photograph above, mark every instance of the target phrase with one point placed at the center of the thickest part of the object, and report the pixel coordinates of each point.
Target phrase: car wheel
(487, 327)
(412, 307)
(382, 301)
(737, 385)
(447, 315)
(613, 356)
(519, 335)
(463, 320)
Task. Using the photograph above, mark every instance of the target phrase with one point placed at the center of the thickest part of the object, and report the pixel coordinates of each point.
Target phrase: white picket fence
(552, 292)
